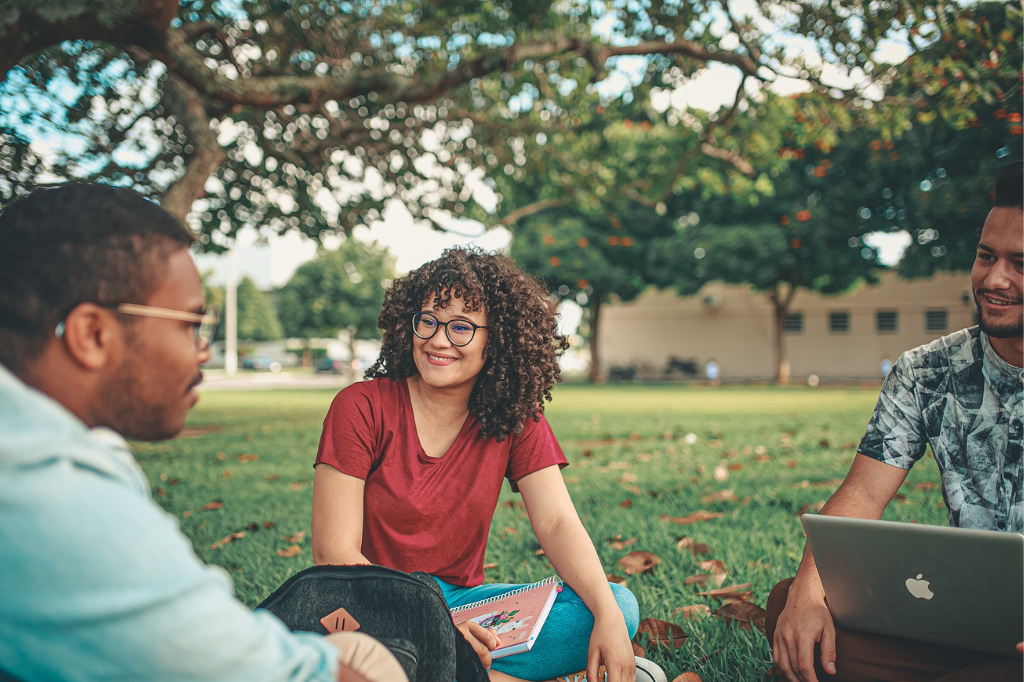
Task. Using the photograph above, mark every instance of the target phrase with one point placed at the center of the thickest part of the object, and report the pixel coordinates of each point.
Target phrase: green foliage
(404, 101)
(808, 438)
(339, 289)
(257, 320)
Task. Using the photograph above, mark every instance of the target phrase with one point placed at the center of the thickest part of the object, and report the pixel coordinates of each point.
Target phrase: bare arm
(864, 494)
(568, 546)
(337, 523)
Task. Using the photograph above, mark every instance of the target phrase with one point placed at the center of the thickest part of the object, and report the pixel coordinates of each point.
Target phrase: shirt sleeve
(349, 439)
(895, 434)
(98, 583)
(534, 449)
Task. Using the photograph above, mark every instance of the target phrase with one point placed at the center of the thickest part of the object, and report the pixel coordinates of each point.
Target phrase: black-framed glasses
(205, 322)
(459, 332)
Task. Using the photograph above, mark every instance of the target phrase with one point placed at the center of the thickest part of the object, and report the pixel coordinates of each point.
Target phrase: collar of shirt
(1004, 377)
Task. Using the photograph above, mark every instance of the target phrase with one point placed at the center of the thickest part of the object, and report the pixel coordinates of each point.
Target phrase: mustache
(996, 294)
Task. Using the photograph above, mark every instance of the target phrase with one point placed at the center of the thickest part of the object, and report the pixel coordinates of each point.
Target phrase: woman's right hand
(481, 639)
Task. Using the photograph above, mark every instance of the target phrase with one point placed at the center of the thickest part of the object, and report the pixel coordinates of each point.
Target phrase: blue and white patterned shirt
(958, 396)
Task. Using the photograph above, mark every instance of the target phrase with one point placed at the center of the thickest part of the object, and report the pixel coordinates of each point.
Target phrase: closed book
(516, 616)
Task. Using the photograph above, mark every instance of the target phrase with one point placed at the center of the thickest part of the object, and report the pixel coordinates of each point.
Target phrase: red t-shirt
(422, 513)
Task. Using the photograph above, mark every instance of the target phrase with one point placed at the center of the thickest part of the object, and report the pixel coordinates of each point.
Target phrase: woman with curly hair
(411, 463)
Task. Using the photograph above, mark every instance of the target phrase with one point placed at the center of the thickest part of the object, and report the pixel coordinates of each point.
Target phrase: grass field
(640, 457)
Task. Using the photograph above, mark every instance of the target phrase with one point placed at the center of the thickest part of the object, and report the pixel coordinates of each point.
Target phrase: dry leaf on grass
(692, 612)
(744, 613)
(209, 506)
(248, 458)
(762, 458)
(626, 504)
(294, 550)
(735, 466)
(269, 524)
(639, 562)
(739, 592)
(489, 566)
(688, 677)
(791, 463)
(228, 538)
(297, 537)
(627, 478)
(618, 543)
(719, 496)
(698, 579)
(815, 508)
(617, 579)
(717, 570)
(639, 650)
(721, 473)
(662, 633)
(924, 485)
(691, 544)
(697, 516)
(539, 552)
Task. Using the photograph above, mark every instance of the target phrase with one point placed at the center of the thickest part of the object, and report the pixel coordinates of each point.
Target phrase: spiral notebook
(516, 616)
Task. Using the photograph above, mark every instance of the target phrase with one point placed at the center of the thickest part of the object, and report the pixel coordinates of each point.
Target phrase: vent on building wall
(887, 321)
(936, 320)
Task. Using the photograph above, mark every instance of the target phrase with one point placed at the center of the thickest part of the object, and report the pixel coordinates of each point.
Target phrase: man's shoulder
(939, 367)
(954, 351)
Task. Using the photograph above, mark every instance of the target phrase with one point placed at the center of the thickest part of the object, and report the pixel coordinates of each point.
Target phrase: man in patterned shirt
(960, 394)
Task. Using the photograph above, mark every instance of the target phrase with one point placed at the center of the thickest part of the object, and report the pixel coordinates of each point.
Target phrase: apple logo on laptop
(919, 588)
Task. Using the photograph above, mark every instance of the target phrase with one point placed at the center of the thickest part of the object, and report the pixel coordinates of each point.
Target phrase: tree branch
(536, 207)
(684, 48)
(206, 156)
(735, 159)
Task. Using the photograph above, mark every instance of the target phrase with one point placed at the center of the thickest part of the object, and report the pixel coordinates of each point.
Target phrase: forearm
(338, 556)
(852, 501)
(572, 554)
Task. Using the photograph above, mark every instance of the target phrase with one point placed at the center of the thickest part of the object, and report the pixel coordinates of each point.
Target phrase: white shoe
(646, 671)
(649, 671)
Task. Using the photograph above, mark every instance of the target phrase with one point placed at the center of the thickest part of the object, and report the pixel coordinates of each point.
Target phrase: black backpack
(405, 611)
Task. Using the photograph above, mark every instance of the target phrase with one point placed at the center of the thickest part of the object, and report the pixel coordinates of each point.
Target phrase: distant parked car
(331, 365)
(260, 362)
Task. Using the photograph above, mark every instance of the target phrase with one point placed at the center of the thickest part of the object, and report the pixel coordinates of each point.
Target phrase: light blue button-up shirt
(97, 582)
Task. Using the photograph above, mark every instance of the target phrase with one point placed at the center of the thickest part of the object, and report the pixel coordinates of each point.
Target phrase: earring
(59, 330)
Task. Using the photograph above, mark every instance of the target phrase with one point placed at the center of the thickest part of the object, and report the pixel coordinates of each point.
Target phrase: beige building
(834, 337)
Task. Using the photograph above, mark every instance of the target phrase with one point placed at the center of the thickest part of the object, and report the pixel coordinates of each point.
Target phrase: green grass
(623, 443)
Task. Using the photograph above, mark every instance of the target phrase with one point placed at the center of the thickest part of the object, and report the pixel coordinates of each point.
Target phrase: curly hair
(523, 343)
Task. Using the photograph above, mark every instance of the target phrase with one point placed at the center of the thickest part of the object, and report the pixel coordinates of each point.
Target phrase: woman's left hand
(610, 647)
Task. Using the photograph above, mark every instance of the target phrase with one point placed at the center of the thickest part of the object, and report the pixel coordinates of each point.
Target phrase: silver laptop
(964, 588)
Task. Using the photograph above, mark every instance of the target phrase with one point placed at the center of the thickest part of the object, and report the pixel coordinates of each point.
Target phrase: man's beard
(1007, 329)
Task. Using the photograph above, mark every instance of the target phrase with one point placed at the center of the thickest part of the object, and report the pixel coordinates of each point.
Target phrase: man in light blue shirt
(102, 332)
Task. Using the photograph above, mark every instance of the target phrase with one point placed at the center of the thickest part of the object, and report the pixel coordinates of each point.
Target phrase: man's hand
(481, 639)
(805, 621)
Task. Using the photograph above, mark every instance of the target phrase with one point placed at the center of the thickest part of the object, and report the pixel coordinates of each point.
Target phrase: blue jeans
(561, 648)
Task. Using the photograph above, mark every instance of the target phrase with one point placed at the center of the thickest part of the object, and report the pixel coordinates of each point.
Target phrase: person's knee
(773, 609)
(628, 605)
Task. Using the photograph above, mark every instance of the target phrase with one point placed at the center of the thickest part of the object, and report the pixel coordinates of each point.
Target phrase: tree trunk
(594, 307)
(780, 308)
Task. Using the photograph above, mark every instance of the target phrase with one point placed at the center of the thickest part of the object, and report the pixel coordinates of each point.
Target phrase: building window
(887, 321)
(936, 320)
(793, 323)
(839, 322)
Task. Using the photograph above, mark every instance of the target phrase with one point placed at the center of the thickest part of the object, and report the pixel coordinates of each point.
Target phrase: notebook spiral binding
(521, 590)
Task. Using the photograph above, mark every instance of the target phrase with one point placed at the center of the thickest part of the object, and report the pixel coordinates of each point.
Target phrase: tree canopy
(338, 290)
(312, 115)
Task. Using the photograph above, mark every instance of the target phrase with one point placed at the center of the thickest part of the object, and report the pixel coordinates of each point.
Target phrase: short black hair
(72, 244)
(1010, 186)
